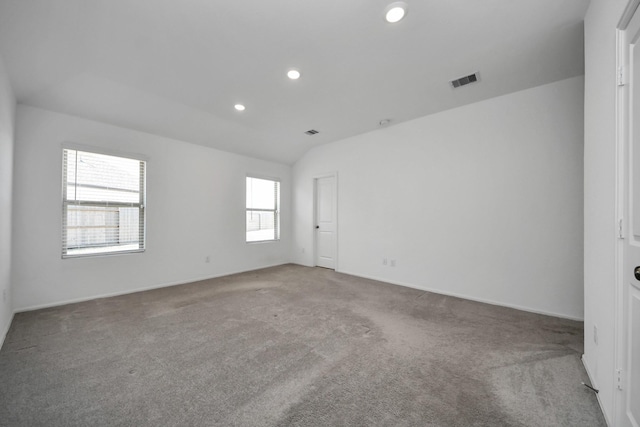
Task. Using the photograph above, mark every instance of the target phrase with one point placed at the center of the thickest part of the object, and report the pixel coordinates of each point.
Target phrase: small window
(102, 204)
(263, 210)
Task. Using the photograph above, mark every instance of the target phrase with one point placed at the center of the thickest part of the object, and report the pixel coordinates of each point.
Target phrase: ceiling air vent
(462, 81)
(311, 132)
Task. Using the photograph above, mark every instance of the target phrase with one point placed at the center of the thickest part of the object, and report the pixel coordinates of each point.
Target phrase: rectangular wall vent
(311, 132)
(463, 81)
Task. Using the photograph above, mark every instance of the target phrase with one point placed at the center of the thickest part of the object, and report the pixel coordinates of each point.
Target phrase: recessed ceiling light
(293, 74)
(395, 12)
(239, 107)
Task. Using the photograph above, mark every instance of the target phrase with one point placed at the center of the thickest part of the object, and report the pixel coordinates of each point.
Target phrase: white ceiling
(176, 67)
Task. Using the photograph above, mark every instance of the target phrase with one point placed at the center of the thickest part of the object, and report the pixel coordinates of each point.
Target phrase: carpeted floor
(292, 346)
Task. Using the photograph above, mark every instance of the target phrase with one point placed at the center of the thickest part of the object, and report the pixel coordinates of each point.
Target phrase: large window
(102, 204)
(263, 209)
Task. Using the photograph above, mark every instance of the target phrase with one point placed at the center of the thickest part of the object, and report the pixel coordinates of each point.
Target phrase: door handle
(636, 272)
(317, 226)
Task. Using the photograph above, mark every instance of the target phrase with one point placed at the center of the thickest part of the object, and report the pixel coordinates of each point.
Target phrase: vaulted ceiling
(176, 68)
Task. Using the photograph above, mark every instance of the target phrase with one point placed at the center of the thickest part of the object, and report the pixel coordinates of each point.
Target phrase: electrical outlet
(207, 259)
(384, 261)
(595, 334)
(393, 263)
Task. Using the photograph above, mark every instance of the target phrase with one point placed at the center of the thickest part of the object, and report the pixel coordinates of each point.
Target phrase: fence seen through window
(263, 210)
(103, 204)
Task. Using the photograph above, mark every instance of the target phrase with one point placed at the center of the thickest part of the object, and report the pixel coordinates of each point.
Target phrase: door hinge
(619, 379)
(621, 76)
(620, 229)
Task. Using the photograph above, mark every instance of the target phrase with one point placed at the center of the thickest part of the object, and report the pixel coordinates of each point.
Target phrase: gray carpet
(292, 346)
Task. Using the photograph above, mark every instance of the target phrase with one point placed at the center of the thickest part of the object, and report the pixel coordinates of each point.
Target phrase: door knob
(317, 226)
(636, 272)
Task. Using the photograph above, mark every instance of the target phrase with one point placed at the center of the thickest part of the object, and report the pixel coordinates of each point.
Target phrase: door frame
(315, 179)
(621, 209)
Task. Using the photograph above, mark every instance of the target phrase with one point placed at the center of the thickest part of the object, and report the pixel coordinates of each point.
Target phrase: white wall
(7, 116)
(483, 201)
(195, 208)
(599, 198)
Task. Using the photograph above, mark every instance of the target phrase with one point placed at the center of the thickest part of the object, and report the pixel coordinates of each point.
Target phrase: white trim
(141, 205)
(6, 331)
(142, 289)
(264, 177)
(103, 254)
(258, 242)
(467, 297)
(105, 151)
(621, 115)
(595, 385)
(277, 212)
(328, 174)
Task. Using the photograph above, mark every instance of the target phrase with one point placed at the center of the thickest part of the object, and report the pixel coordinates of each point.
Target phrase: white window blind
(263, 209)
(103, 204)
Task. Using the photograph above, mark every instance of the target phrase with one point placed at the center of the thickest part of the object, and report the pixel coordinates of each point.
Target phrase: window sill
(262, 241)
(102, 254)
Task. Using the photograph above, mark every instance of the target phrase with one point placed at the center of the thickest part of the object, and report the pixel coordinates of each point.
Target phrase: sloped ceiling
(176, 68)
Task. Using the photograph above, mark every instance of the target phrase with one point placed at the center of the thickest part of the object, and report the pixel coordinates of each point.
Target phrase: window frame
(275, 211)
(141, 204)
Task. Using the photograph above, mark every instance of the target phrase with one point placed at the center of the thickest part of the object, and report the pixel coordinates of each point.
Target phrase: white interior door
(325, 226)
(628, 401)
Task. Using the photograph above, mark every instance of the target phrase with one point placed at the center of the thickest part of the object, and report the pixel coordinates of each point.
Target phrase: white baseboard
(595, 385)
(6, 331)
(142, 289)
(453, 294)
